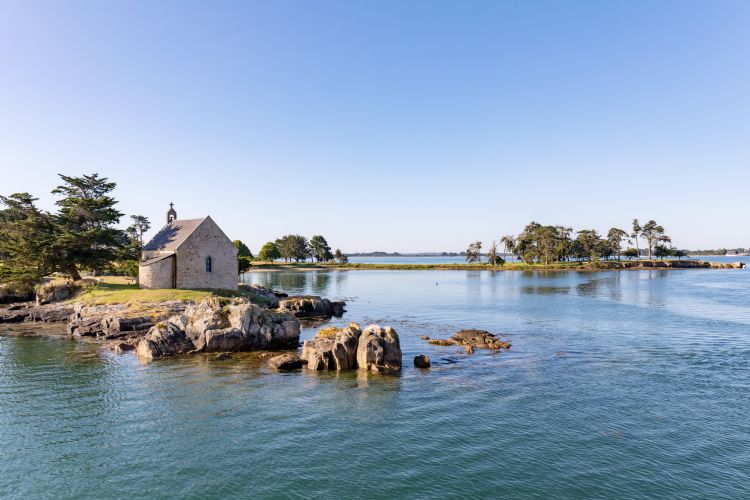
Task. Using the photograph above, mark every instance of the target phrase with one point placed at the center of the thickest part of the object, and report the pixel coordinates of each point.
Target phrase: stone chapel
(189, 253)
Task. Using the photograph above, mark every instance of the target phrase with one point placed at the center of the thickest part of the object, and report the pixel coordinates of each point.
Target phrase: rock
(312, 307)
(479, 338)
(56, 291)
(221, 325)
(442, 342)
(379, 349)
(222, 356)
(237, 325)
(472, 338)
(424, 337)
(117, 321)
(9, 295)
(333, 348)
(262, 296)
(469, 349)
(422, 361)
(285, 362)
(29, 311)
(123, 347)
(162, 340)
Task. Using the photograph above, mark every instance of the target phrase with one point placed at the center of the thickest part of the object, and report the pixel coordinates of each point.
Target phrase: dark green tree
(339, 256)
(653, 233)
(242, 249)
(635, 234)
(269, 252)
(27, 237)
(293, 247)
(615, 237)
(631, 253)
(86, 219)
(244, 263)
(319, 249)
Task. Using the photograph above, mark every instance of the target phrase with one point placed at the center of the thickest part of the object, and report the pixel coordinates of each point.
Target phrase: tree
(86, 219)
(319, 249)
(26, 243)
(269, 252)
(343, 259)
(473, 253)
(653, 233)
(662, 251)
(139, 227)
(509, 243)
(615, 237)
(242, 249)
(293, 246)
(588, 244)
(244, 263)
(492, 254)
(631, 253)
(636, 232)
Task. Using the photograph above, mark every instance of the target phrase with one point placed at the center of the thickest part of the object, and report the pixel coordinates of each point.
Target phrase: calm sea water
(439, 259)
(629, 384)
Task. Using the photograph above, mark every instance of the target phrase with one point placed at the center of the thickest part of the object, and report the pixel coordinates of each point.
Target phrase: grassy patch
(122, 290)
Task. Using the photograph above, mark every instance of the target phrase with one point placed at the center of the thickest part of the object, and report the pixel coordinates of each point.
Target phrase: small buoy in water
(436, 284)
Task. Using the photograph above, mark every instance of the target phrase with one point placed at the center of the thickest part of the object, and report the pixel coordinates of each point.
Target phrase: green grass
(122, 290)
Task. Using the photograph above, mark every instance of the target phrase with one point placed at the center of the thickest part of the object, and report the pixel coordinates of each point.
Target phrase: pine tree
(87, 236)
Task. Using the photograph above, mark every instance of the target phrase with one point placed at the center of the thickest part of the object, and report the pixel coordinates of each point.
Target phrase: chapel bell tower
(171, 215)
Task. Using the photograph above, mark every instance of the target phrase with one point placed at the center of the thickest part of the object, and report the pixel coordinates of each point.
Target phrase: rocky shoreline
(182, 327)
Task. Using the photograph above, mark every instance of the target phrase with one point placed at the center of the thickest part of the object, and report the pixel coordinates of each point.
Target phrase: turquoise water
(629, 384)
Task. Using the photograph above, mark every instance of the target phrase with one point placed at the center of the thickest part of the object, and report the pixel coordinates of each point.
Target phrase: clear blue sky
(388, 125)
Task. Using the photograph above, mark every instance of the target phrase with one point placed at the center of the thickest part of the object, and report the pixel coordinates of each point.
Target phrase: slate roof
(174, 234)
(150, 261)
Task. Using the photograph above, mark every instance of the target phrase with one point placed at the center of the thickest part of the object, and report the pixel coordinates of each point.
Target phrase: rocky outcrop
(9, 295)
(313, 307)
(56, 291)
(216, 325)
(728, 265)
(162, 340)
(120, 321)
(471, 339)
(29, 311)
(261, 295)
(422, 361)
(379, 349)
(333, 348)
(286, 362)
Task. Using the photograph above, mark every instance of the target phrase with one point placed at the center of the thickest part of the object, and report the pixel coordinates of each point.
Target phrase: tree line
(294, 247)
(547, 244)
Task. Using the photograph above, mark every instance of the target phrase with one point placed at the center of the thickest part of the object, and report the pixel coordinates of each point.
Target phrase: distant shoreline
(634, 265)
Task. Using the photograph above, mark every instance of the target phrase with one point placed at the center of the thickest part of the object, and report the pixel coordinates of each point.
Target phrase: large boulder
(333, 348)
(309, 306)
(162, 340)
(286, 362)
(379, 349)
(222, 325)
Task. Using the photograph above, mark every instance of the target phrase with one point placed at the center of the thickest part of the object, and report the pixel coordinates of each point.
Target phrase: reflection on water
(618, 384)
(299, 283)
